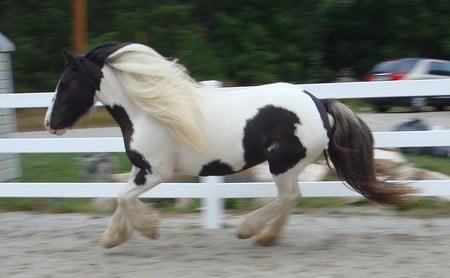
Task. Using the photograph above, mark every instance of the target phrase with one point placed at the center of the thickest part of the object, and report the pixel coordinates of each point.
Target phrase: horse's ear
(70, 58)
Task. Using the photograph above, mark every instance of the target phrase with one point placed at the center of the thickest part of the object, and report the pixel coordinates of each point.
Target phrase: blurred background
(237, 42)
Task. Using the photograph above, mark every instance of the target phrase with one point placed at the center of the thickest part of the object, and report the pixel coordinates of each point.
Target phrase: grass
(438, 164)
(61, 167)
(51, 205)
(426, 207)
(49, 167)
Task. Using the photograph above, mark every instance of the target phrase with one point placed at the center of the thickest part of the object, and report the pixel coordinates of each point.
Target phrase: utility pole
(79, 20)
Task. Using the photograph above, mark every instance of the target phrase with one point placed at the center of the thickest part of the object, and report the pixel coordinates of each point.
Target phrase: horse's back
(239, 105)
(242, 124)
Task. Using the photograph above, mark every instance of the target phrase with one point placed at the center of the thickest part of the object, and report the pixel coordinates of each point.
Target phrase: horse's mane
(162, 88)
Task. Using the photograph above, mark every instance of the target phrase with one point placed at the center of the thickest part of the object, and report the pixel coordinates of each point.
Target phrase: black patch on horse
(126, 126)
(216, 168)
(270, 135)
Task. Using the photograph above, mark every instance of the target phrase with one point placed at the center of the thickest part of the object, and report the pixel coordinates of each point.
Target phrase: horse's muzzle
(53, 131)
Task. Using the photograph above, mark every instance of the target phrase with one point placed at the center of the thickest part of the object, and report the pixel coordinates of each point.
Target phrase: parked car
(410, 69)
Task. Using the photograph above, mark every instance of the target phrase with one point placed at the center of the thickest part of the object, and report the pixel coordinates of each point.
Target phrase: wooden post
(79, 25)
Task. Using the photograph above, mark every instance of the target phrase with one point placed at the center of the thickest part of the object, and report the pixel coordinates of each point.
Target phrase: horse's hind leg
(272, 231)
(278, 209)
(131, 213)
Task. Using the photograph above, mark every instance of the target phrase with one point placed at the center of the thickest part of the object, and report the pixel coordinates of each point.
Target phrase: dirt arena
(320, 244)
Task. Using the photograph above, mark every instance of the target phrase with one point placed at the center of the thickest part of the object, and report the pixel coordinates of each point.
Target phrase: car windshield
(402, 65)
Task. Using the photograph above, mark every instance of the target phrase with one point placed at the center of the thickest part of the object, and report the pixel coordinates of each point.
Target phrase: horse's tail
(351, 151)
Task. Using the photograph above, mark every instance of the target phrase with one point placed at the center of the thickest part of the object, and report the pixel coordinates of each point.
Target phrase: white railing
(212, 190)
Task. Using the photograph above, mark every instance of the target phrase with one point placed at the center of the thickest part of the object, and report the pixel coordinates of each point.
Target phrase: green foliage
(39, 30)
(35, 167)
(241, 42)
(438, 164)
(360, 33)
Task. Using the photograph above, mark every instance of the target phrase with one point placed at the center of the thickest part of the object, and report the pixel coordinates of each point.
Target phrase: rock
(394, 165)
(387, 162)
(99, 168)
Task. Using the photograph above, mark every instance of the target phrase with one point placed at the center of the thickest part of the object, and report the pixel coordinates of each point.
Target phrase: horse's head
(75, 93)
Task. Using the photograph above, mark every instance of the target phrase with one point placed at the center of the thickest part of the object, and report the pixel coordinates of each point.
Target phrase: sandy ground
(375, 244)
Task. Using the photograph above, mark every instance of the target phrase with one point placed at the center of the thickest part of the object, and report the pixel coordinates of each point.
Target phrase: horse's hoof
(267, 239)
(243, 236)
(110, 240)
(247, 231)
(109, 244)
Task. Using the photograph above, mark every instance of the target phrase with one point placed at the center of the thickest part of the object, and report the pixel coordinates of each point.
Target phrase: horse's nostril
(46, 123)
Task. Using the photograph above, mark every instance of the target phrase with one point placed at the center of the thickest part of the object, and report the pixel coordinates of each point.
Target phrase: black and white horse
(170, 123)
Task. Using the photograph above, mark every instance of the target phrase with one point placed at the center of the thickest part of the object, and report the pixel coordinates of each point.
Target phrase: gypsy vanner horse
(170, 123)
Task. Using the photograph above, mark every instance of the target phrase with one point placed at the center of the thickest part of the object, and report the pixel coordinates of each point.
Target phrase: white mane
(162, 88)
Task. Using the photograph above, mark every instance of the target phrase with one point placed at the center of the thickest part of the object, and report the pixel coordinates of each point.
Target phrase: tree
(39, 29)
(241, 43)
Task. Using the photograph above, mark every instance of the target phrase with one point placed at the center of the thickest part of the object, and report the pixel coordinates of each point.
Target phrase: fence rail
(115, 144)
(212, 191)
(321, 90)
(200, 190)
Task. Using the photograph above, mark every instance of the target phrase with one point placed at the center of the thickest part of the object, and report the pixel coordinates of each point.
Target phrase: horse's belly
(219, 162)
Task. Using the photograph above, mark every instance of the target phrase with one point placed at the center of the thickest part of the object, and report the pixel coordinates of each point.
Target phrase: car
(410, 69)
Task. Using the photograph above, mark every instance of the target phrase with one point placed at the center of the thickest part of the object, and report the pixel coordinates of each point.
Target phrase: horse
(170, 123)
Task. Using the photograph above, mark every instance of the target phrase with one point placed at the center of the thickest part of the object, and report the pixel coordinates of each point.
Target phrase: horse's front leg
(131, 213)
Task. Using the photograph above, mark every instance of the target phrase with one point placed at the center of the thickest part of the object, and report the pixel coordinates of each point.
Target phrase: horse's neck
(118, 104)
(112, 94)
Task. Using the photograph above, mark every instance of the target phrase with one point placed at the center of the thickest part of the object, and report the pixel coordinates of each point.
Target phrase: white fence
(212, 190)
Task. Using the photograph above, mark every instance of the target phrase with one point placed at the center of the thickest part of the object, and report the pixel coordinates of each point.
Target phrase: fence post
(212, 205)
(9, 162)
